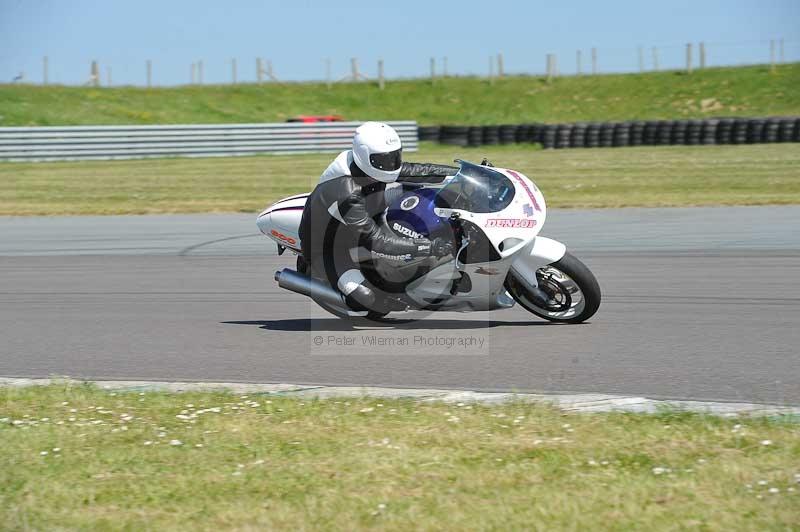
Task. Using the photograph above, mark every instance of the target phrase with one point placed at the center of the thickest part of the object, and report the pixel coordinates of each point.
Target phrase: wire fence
(563, 61)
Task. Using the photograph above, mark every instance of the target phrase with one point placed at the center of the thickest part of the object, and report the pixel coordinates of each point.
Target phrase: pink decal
(526, 187)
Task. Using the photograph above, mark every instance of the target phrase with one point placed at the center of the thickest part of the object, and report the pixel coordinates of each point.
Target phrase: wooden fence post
(354, 68)
(688, 58)
(433, 70)
(594, 61)
(380, 74)
(500, 69)
(702, 55)
(149, 68)
(95, 76)
(655, 58)
(45, 76)
(328, 81)
(772, 55)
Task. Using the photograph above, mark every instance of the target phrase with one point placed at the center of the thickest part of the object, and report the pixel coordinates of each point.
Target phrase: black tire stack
(429, 133)
(578, 136)
(508, 134)
(454, 135)
(786, 130)
(606, 135)
(771, 127)
(618, 134)
(739, 134)
(592, 135)
(475, 136)
(678, 136)
(708, 134)
(563, 135)
(664, 133)
(491, 135)
(622, 134)
(548, 136)
(650, 133)
(637, 133)
(755, 130)
(725, 131)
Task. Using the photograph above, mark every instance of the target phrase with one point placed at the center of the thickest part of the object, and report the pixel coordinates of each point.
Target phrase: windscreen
(476, 189)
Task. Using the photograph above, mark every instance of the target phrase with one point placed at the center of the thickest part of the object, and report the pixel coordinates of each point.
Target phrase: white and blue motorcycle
(494, 216)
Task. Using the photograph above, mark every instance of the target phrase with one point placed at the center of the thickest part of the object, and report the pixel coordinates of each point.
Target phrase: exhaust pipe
(316, 290)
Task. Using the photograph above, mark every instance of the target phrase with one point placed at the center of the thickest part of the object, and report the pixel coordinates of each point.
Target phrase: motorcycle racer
(346, 211)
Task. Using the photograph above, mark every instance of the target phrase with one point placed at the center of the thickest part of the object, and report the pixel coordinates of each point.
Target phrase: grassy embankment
(662, 176)
(744, 91)
(76, 457)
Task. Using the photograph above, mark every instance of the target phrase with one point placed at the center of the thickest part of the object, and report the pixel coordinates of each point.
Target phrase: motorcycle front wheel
(573, 295)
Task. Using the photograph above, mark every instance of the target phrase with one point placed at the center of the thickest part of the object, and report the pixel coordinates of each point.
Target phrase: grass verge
(593, 178)
(77, 457)
(743, 91)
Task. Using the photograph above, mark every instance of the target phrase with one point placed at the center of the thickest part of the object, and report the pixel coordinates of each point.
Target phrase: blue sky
(299, 35)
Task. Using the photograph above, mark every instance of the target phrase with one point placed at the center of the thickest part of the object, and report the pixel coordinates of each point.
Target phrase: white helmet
(377, 151)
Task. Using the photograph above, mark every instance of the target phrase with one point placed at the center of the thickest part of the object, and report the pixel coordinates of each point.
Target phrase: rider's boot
(357, 294)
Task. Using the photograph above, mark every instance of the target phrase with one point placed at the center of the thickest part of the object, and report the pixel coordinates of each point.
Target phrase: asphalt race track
(698, 303)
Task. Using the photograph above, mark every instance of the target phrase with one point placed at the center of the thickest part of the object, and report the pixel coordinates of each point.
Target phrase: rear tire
(574, 291)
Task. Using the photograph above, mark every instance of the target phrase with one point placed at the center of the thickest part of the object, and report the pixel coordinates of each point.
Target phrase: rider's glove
(442, 247)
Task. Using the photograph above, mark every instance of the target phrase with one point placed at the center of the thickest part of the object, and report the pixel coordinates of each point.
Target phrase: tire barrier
(563, 135)
(578, 137)
(622, 134)
(678, 136)
(548, 136)
(592, 135)
(637, 133)
(606, 135)
(429, 132)
(475, 136)
(786, 130)
(618, 134)
(709, 131)
(508, 134)
(491, 135)
(694, 129)
(454, 135)
(739, 135)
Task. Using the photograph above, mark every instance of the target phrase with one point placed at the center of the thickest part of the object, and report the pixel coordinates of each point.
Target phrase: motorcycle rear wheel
(572, 289)
(302, 267)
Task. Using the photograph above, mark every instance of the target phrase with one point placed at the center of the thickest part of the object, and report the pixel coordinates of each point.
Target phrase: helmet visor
(387, 162)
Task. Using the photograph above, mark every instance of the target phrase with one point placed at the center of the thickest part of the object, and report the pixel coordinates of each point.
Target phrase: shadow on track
(335, 324)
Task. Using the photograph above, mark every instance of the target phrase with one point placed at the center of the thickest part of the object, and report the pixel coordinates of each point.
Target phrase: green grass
(624, 177)
(76, 457)
(743, 91)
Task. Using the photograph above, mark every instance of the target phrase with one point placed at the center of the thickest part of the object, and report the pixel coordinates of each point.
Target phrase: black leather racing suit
(347, 212)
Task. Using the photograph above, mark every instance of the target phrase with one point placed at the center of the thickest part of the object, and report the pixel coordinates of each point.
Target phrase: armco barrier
(133, 142)
(618, 134)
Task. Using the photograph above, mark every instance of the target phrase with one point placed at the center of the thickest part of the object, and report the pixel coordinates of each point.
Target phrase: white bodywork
(513, 232)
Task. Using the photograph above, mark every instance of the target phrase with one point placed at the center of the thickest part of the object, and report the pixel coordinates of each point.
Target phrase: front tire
(572, 290)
